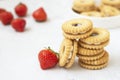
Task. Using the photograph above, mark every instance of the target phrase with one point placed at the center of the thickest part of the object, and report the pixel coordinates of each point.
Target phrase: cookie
(93, 67)
(99, 61)
(77, 36)
(89, 52)
(94, 46)
(114, 3)
(108, 11)
(83, 5)
(92, 14)
(77, 28)
(67, 52)
(93, 57)
(97, 40)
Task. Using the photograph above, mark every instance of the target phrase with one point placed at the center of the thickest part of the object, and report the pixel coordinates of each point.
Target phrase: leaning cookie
(93, 67)
(83, 5)
(77, 28)
(97, 40)
(94, 57)
(92, 14)
(67, 52)
(102, 60)
(108, 11)
(89, 52)
(114, 3)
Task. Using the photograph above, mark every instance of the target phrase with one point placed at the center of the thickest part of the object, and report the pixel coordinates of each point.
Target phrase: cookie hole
(77, 25)
(94, 34)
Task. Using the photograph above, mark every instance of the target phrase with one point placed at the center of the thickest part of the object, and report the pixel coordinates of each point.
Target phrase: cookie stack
(91, 50)
(86, 42)
(73, 30)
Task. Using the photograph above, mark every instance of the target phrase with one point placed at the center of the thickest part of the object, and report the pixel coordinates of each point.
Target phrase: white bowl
(105, 22)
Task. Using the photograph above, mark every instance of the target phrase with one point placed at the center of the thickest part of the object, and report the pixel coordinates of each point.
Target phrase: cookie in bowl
(83, 5)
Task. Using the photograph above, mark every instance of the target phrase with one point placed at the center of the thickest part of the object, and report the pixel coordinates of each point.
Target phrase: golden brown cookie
(102, 60)
(114, 3)
(94, 46)
(83, 5)
(77, 28)
(67, 52)
(77, 36)
(93, 57)
(108, 11)
(89, 52)
(97, 40)
(92, 14)
(93, 67)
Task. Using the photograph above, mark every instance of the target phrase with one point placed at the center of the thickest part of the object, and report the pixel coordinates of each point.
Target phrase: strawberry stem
(53, 51)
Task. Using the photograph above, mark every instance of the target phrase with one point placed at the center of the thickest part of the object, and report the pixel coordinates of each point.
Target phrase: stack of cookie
(73, 30)
(86, 42)
(91, 50)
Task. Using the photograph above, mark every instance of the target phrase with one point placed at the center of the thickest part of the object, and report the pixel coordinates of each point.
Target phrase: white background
(19, 51)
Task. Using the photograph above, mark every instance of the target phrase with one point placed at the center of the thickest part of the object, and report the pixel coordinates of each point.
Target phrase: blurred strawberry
(1, 11)
(18, 24)
(39, 15)
(6, 17)
(21, 10)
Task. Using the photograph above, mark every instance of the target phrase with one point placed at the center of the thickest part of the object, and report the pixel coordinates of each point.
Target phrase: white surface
(18, 51)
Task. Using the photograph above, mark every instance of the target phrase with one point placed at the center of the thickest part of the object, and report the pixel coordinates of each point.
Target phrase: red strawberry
(18, 24)
(47, 58)
(6, 17)
(39, 15)
(1, 11)
(21, 9)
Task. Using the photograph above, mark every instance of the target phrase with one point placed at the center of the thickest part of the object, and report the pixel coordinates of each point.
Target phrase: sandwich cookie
(67, 52)
(114, 3)
(83, 5)
(102, 60)
(88, 52)
(97, 40)
(77, 28)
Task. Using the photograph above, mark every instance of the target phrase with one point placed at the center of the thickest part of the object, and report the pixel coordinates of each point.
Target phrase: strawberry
(6, 17)
(39, 15)
(47, 58)
(1, 11)
(18, 24)
(21, 9)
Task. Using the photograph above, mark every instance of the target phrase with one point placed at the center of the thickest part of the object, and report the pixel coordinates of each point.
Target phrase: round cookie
(109, 11)
(67, 52)
(89, 52)
(94, 46)
(93, 57)
(114, 3)
(83, 5)
(100, 61)
(92, 13)
(93, 67)
(77, 28)
(97, 40)
(77, 36)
